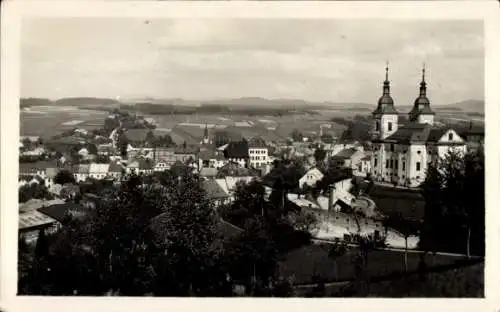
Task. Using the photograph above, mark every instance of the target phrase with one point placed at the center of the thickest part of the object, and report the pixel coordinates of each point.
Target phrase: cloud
(325, 60)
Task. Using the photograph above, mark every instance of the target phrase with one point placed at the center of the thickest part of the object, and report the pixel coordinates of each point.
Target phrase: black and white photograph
(249, 157)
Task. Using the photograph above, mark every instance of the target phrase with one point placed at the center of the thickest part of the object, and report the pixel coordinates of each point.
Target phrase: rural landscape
(251, 196)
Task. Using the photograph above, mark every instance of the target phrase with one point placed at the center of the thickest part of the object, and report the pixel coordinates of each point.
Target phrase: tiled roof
(98, 168)
(412, 132)
(207, 154)
(115, 167)
(236, 150)
(33, 219)
(81, 169)
(345, 153)
(208, 172)
(186, 151)
(39, 165)
(137, 135)
(59, 211)
(51, 172)
(213, 190)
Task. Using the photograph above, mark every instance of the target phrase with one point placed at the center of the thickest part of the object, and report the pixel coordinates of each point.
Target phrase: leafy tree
(319, 155)
(297, 135)
(63, 177)
(454, 212)
(406, 227)
(34, 190)
(92, 148)
(336, 251)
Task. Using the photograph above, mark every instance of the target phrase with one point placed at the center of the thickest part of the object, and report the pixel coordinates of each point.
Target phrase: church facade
(402, 152)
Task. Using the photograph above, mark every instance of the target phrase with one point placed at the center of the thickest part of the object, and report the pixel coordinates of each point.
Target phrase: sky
(204, 59)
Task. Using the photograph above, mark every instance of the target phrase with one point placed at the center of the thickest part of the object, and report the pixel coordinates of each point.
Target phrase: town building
(310, 178)
(349, 158)
(258, 153)
(98, 171)
(237, 152)
(401, 154)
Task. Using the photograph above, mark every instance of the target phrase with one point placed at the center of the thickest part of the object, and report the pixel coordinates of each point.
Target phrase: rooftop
(33, 219)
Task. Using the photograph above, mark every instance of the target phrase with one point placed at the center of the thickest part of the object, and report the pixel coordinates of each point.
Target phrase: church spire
(423, 84)
(387, 87)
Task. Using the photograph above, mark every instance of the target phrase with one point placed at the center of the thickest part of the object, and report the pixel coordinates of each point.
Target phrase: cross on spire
(423, 72)
(387, 70)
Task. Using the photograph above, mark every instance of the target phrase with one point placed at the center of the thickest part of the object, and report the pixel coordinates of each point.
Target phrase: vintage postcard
(161, 153)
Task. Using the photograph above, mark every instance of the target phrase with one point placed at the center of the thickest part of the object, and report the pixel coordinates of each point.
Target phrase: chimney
(331, 197)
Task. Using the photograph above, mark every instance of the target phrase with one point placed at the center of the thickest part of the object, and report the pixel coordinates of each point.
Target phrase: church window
(392, 147)
(387, 163)
(375, 162)
(389, 126)
(418, 152)
(450, 136)
(418, 166)
(377, 125)
(396, 164)
(391, 164)
(404, 166)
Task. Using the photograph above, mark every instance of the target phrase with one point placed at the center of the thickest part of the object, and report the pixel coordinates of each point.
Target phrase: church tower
(421, 111)
(206, 138)
(385, 116)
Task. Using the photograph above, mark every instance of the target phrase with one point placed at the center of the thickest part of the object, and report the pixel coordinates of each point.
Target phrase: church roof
(417, 133)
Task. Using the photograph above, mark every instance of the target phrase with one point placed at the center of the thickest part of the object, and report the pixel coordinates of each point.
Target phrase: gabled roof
(59, 211)
(213, 190)
(32, 219)
(81, 169)
(51, 172)
(186, 151)
(208, 172)
(411, 133)
(207, 154)
(114, 166)
(236, 150)
(137, 135)
(98, 168)
(346, 153)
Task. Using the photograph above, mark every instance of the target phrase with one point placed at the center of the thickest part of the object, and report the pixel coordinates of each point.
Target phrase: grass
(312, 260)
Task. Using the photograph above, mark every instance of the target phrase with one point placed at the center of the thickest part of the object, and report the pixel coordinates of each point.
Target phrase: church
(402, 152)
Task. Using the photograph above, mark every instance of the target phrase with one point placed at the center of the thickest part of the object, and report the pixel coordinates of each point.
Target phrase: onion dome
(385, 102)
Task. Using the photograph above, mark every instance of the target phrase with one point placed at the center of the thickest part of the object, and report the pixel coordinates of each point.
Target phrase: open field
(47, 121)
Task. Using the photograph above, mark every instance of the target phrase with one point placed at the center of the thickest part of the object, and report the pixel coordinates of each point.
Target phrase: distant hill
(84, 101)
(26, 102)
(465, 106)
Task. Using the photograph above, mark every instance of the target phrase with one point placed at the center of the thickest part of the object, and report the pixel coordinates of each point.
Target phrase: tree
(406, 227)
(297, 135)
(336, 251)
(63, 177)
(319, 155)
(92, 148)
(33, 190)
(454, 211)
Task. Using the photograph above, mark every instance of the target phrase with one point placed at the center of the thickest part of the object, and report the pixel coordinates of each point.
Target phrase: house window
(375, 162)
(392, 147)
(418, 152)
(396, 164)
(418, 166)
(404, 166)
(377, 126)
(450, 136)
(389, 126)
(387, 163)
(391, 164)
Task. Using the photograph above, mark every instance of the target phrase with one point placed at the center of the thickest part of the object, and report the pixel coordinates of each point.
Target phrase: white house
(401, 154)
(98, 171)
(311, 177)
(258, 154)
(161, 166)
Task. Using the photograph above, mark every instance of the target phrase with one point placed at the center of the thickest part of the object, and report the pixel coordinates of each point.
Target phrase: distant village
(378, 176)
